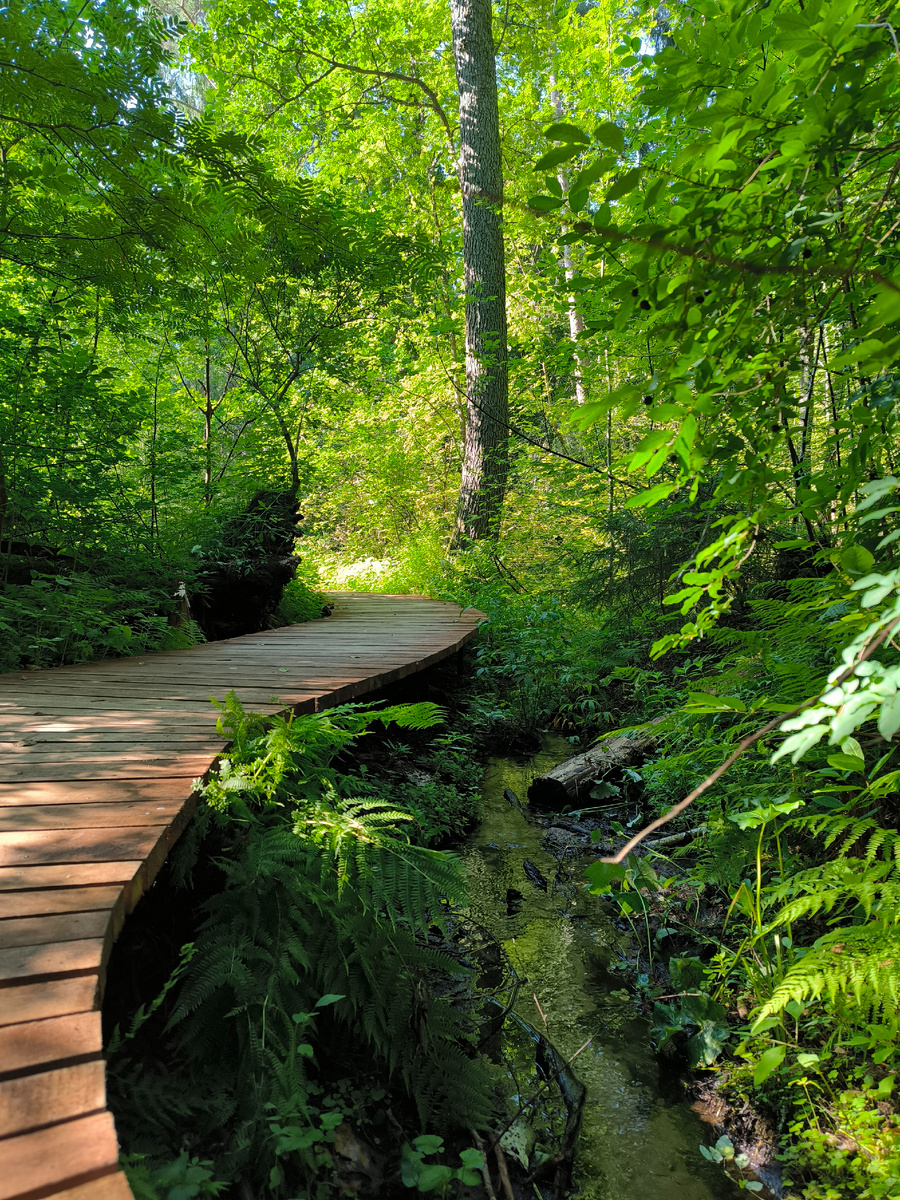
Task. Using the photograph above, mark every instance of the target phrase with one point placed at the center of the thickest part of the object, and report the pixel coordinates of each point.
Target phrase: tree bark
(573, 779)
(485, 456)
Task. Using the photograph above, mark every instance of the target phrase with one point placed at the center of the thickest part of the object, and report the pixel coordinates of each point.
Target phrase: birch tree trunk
(485, 456)
(576, 319)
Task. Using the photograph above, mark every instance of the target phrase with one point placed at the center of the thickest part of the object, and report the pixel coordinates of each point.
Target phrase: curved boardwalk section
(96, 767)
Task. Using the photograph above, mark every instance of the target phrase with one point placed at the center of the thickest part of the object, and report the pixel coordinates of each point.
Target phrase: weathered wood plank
(148, 769)
(68, 958)
(29, 1101)
(96, 791)
(97, 763)
(46, 846)
(49, 1042)
(32, 1001)
(52, 928)
(91, 816)
(59, 900)
(66, 875)
(110, 1187)
(65, 1154)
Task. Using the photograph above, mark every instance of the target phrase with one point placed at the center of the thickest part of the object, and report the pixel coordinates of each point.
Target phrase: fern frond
(847, 883)
(423, 715)
(862, 961)
(848, 831)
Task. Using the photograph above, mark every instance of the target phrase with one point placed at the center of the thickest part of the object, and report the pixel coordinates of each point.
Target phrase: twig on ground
(485, 1172)
(504, 1172)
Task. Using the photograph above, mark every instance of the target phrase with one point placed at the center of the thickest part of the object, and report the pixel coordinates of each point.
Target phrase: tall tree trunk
(485, 458)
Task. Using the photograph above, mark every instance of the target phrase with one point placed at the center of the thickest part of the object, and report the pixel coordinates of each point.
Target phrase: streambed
(637, 1141)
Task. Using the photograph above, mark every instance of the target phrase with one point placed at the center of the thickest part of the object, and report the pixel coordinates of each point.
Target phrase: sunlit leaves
(561, 132)
(553, 158)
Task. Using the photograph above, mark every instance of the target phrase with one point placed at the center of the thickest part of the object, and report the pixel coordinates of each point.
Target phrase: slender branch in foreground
(527, 1104)
(749, 741)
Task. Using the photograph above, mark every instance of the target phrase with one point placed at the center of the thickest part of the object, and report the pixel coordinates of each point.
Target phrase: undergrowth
(59, 619)
(326, 928)
(772, 932)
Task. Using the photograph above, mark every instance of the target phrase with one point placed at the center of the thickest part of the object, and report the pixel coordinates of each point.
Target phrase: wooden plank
(59, 900)
(175, 737)
(92, 816)
(149, 769)
(49, 1042)
(52, 927)
(77, 724)
(110, 1187)
(29, 1101)
(134, 791)
(49, 998)
(66, 875)
(45, 846)
(68, 958)
(101, 692)
(70, 1153)
(101, 755)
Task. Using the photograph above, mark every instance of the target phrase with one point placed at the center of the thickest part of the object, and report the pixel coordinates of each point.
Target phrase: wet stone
(558, 839)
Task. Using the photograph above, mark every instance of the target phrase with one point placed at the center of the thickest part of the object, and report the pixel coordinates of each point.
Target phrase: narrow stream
(636, 1142)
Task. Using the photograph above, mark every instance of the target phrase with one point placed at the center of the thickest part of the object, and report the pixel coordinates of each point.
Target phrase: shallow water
(636, 1143)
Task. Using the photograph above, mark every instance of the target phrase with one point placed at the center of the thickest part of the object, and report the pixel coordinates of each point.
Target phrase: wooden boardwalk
(96, 767)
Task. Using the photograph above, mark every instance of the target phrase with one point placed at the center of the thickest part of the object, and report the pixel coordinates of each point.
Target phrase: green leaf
(608, 134)
(329, 998)
(432, 1176)
(553, 158)
(544, 203)
(857, 560)
(601, 875)
(652, 496)
(687, 973)
(763, 814)
(797, 744)
(707, 1043)
(847, 762)
(429, 1143)
(889, 718)
(769, 1061)
(704, 702)
(627, 183)
(591, 174)
(647, 447)
(562, 132)
(472, 1158)
(578, 199)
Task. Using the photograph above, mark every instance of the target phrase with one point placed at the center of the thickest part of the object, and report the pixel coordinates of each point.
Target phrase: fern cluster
(858, 889)
(324, 893)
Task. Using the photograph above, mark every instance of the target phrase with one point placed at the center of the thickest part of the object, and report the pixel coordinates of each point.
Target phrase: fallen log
(573, 779)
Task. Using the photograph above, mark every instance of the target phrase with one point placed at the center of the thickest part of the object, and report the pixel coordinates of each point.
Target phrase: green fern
(366, 843)
(848, 831)
(323, 892)
(857, 961)
(862, 962)
(266, 751)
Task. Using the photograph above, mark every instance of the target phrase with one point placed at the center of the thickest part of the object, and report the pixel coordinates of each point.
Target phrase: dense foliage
(231, 261)
(329, 898)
